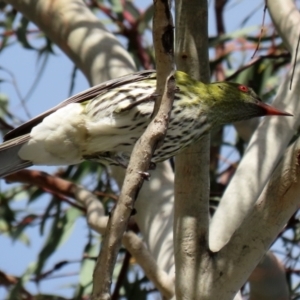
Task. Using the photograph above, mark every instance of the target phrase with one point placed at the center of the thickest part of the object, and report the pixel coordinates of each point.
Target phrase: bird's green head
(230, 102)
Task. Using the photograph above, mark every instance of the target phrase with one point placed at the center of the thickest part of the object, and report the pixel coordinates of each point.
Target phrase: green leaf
(85, 277)
(71, 216)
(145, 19)
(244, 32)
(78, 172)
(35, 193)
(73, 78)
(116, 6)
(3, 104)
(87, 266)
(8, 26)
(61, 229)
(6, 212)
(47, 48)
(22, 33)
(53, 203)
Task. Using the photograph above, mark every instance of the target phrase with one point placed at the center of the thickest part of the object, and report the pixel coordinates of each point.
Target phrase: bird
(104, 122)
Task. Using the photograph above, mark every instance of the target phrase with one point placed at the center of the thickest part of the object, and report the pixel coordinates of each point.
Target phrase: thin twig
(13, 81)
(254, 61)
(98, 221)
(261, 30)
(220, 48)
(295, 61)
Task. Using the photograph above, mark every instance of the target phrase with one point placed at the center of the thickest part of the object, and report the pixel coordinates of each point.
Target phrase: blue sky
(52, 88)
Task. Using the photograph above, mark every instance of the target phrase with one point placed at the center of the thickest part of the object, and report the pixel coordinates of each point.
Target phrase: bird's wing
(14, 142)
(10, 161)
(83, 96)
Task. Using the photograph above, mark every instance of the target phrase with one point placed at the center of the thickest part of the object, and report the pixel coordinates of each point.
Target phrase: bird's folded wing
(10, 161)
(83, 96)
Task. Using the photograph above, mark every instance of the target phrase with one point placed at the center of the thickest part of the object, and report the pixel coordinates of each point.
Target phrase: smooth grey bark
(192, 166)
(267, 143)
(159, 208)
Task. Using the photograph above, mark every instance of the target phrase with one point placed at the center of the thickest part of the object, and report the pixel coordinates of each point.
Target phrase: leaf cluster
(55, 215)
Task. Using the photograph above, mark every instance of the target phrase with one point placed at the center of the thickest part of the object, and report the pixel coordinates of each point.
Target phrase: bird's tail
(10, 161)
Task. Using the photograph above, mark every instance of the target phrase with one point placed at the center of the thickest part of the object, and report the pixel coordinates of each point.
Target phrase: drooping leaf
(51, 243)
(61, 229)
(22, 35)
(85, 277)
(145, 19)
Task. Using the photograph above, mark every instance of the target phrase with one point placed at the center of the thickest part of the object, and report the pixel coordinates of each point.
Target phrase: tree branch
(192, 166)
(265, 148)
(287, 28)
(98, 221)
(275, 206)
(99, 66)
(135, 246)
(142, 152)
(78, 32)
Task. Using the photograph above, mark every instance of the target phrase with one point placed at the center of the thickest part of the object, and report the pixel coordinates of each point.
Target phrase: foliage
(56, 221)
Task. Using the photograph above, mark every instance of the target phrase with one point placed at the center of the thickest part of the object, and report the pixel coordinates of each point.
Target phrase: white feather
(58, 139)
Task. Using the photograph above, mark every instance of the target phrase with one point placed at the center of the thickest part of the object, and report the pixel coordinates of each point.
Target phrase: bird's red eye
(243, 88)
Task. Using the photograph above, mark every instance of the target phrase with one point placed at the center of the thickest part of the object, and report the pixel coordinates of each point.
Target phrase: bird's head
(230, 102)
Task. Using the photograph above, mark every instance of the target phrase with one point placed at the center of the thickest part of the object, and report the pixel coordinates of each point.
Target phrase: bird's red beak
(272, 111)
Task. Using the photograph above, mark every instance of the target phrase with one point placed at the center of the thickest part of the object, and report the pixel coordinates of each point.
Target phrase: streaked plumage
(104, 122)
